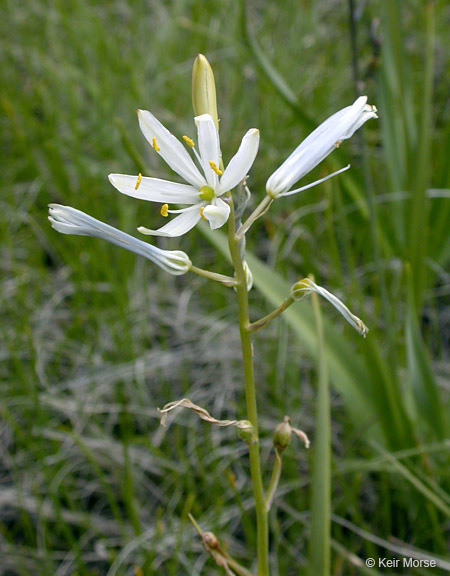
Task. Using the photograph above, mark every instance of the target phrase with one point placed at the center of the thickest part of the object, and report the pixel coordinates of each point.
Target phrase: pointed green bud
(246, 431)
(282, 435)
(204, 99)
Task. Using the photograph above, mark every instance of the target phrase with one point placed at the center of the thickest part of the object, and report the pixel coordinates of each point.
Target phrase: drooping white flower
(68, 220)
(306, 286)
(317, 146)
(206, 182)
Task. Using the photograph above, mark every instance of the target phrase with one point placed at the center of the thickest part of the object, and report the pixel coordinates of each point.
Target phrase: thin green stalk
(262, 322)
(262, 527)
(225, 280)
(274, 480)
(240, 570)
(261, 209)
(321, 499)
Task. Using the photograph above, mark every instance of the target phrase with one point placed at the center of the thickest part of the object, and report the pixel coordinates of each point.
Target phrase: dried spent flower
(244, 427)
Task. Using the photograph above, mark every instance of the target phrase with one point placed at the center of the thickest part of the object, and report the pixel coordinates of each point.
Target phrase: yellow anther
(188, 141)
(201, 213)
(138, 181)
(155, 145)
(165, 210)
(338, 143)
(215, 169)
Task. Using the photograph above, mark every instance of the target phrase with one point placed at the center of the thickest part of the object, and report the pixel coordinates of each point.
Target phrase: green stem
(225, 280)
(240, 570)
(274, 480)
(262, 322)
(262, 527)
(261, 209)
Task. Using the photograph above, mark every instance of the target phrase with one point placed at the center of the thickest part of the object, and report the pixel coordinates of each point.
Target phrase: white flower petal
(68, 220)
(154, 189)
(367, 113)
(178, 226)
(208, 146)
(242, 161)
(170, 149)
(339, 121)
(318, 145)
(216, 213)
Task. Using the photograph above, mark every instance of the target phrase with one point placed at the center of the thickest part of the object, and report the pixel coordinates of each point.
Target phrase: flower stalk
(262, 323)
(259, 211)
(274, 480)
(221, 278)
(262, 527)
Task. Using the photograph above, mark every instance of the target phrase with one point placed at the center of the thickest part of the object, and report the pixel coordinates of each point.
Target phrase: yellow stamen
(138, 181)
(338, 143)
(138, 571)
(165, 210)
(215, 169)
(189, 141)
(201, 213)
(155, 145)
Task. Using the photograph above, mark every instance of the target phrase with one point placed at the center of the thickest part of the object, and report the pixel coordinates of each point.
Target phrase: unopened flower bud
(282, 435)
(204, 89)
(246, 431)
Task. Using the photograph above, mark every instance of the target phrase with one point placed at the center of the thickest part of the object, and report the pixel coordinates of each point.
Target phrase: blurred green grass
(93, 339)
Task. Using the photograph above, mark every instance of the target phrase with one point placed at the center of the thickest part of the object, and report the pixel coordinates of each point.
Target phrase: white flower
(317, 146)
(306, 286)
(206, 183)
(68, 220)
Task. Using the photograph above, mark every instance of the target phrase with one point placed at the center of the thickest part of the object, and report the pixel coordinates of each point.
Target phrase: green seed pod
(246, 432)
(282, 435)
(204, 99)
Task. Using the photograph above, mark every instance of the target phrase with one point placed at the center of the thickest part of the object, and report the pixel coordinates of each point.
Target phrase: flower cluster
(206, 191)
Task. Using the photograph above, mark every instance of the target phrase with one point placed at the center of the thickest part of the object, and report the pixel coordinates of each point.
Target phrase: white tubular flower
(68, 220)
(306, 286)
(317, 146)
(206, 183)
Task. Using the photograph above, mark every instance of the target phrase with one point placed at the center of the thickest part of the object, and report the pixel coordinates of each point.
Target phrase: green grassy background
(93, 339)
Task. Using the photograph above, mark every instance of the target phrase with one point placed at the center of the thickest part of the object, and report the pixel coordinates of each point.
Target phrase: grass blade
(319, 544)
